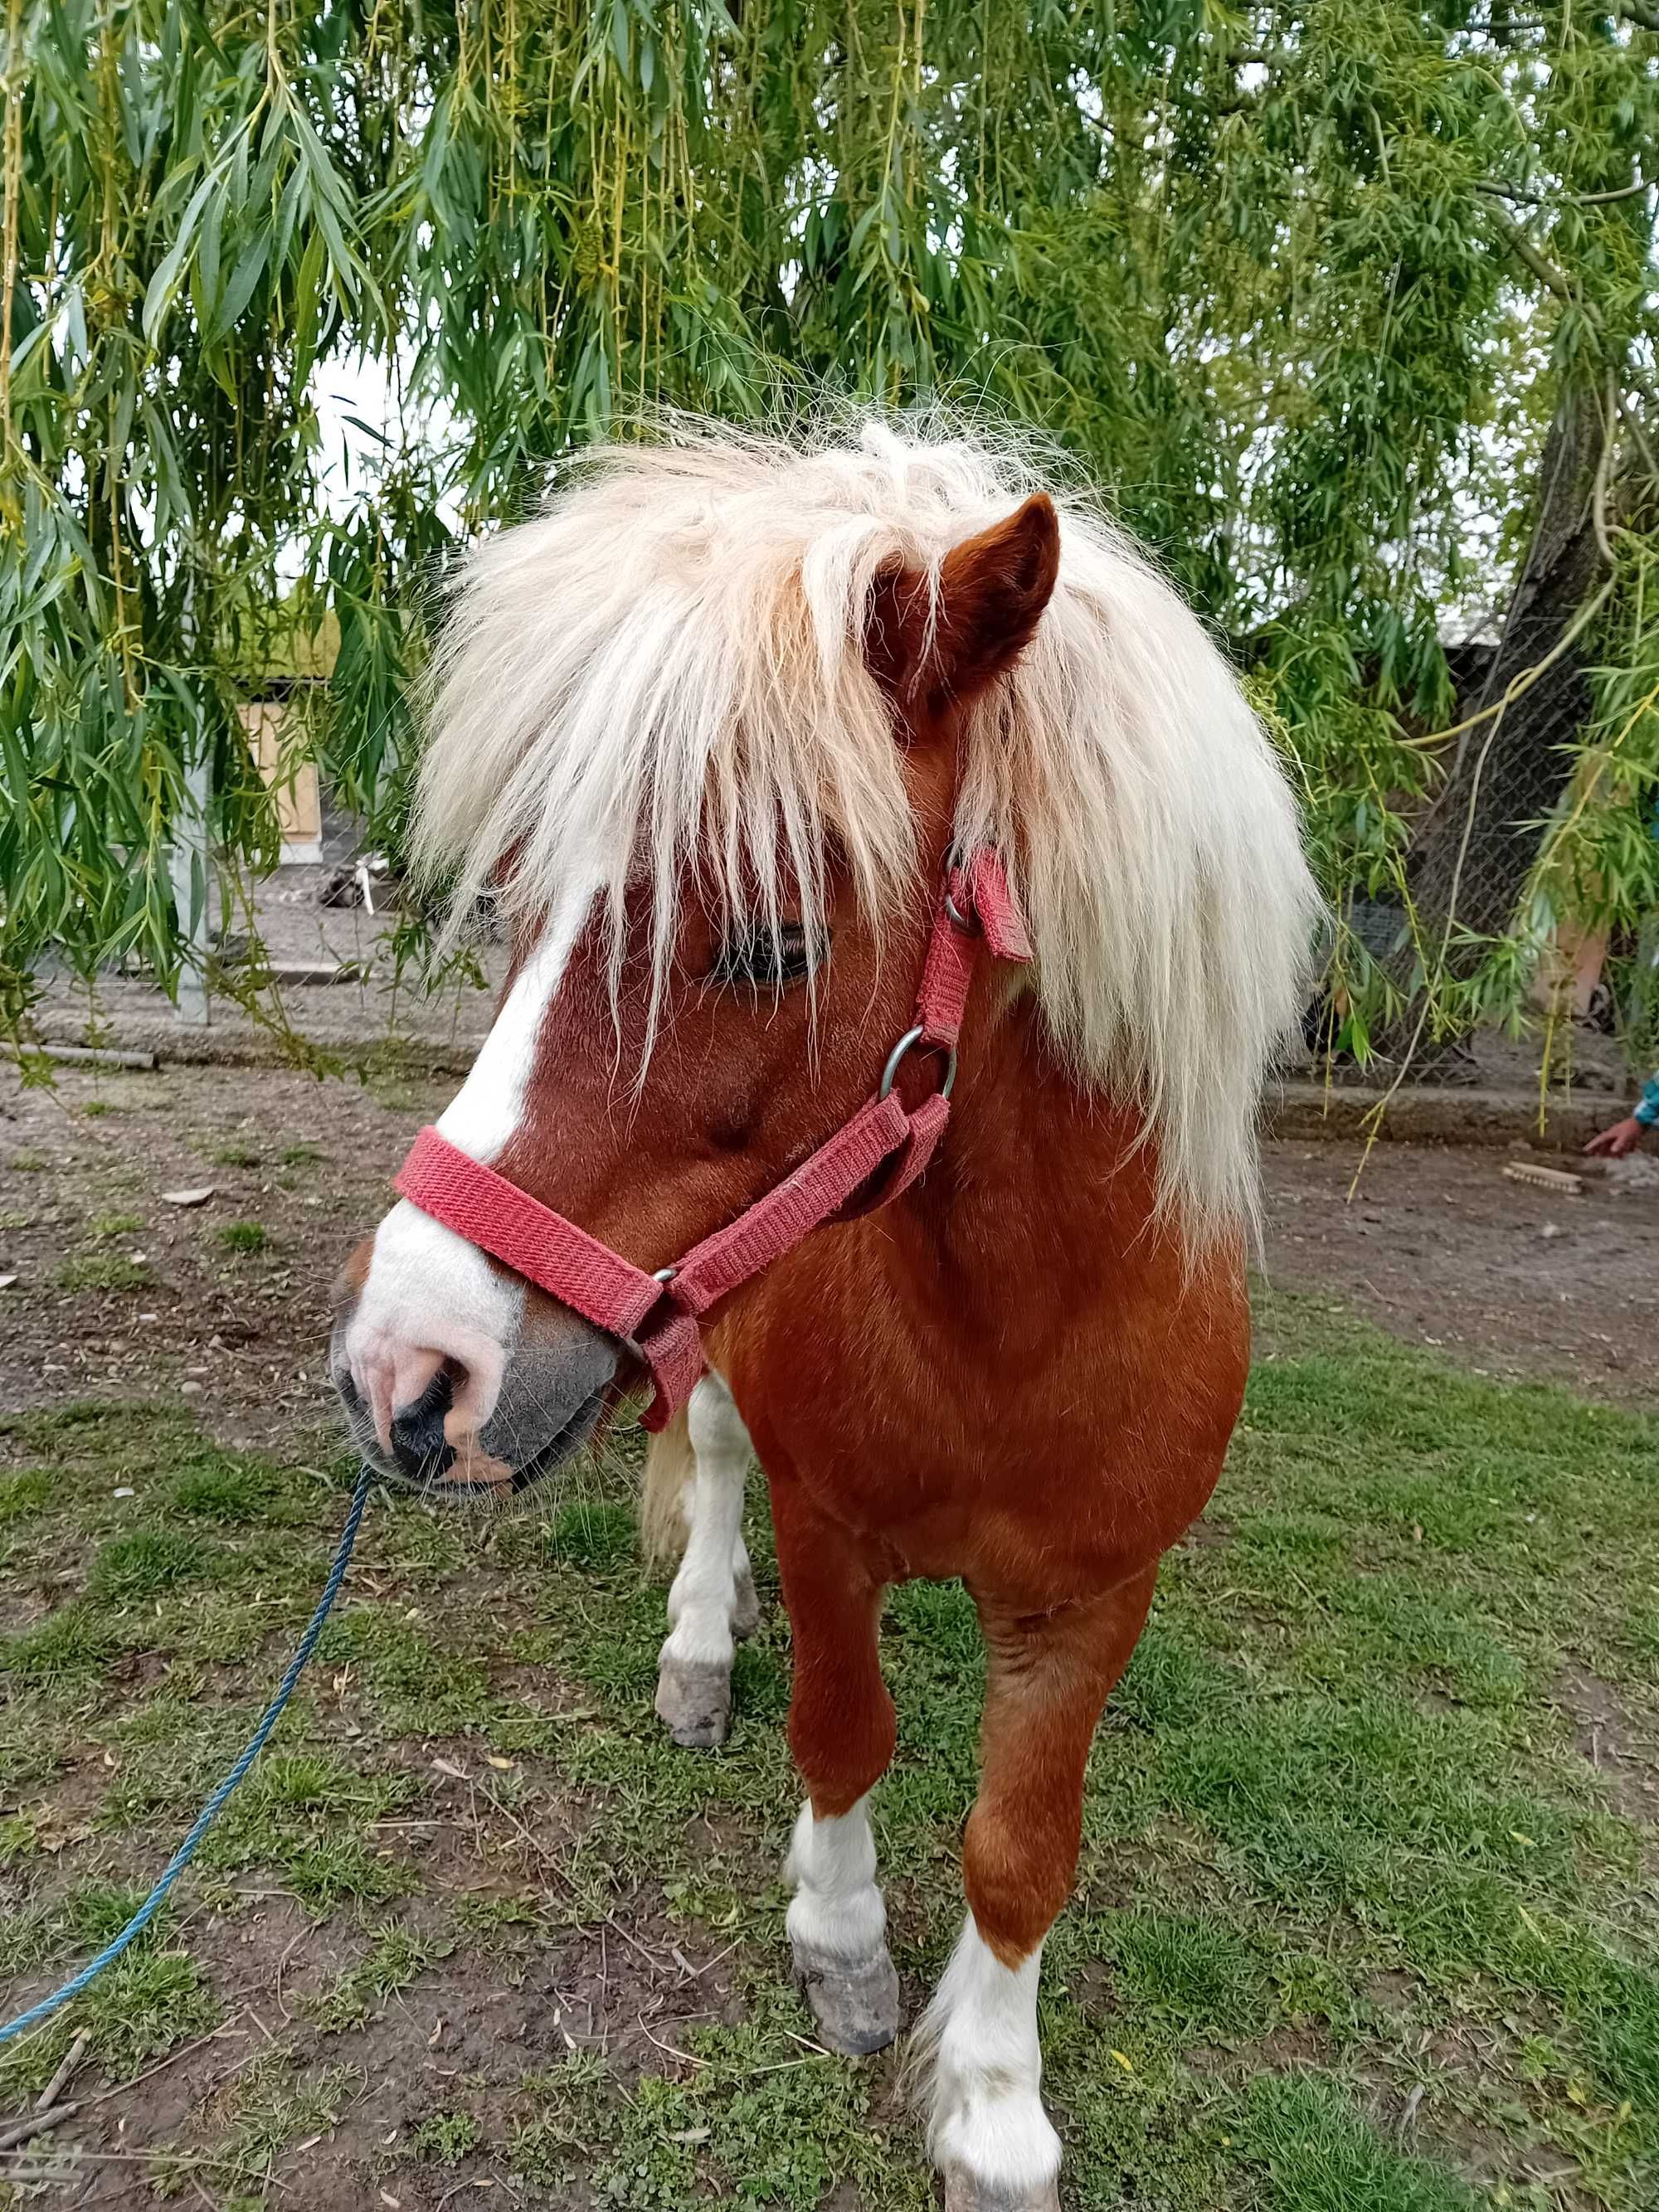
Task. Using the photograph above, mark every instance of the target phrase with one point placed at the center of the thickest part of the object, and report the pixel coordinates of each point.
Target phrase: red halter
(656, 1316)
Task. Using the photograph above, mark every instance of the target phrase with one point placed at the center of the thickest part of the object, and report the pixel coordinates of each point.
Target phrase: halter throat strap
(657, 1316)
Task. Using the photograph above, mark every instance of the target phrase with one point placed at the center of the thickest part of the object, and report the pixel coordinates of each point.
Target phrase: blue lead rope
(210, 1812)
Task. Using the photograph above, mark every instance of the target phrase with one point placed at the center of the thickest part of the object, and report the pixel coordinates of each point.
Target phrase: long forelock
(664, 675)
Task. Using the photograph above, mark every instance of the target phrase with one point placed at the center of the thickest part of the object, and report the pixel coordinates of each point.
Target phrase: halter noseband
(656, 1316)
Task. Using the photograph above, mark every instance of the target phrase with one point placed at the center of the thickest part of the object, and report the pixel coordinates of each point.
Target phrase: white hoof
(694, 1701)
(963, 2194)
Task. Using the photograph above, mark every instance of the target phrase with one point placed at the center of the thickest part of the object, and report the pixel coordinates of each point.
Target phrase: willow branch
(1604, 466)
(1561, 283)
(1632, 423)
(13, 159)
(1528, 677)
(1520, 197)
(1618, 192)
(1521, 247)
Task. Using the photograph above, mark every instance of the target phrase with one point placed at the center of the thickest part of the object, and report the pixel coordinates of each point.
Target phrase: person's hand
(1624, 1137)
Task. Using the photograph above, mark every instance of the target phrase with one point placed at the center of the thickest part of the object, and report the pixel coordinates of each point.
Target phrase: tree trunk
(1509, 770)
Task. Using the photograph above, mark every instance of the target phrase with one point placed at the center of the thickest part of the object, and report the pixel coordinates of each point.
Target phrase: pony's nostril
(417, 1432)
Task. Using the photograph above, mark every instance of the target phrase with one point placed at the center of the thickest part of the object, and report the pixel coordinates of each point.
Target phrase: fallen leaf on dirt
(188, 1197)
(502, 1766)
(447, 1766)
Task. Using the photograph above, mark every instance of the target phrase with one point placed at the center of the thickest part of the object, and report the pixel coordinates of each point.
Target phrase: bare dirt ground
(1438, 1245)
(226, 1301)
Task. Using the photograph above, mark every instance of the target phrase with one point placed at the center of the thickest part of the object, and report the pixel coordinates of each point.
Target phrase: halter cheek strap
(657, 1316)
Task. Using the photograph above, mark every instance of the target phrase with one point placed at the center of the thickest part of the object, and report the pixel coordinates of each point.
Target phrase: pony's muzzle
(439, 1404)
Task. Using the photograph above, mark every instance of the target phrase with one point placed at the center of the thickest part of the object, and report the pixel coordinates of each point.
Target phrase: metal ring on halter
(967, 923)
(908, 1043)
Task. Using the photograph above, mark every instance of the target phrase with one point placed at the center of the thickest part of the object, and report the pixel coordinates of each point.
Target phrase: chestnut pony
(711, 729)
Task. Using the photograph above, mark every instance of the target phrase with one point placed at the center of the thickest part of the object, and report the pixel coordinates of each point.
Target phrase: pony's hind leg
(1047, 1677)
(696, 1469)
(841, 1733)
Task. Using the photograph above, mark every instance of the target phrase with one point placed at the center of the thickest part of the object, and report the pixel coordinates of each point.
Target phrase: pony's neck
(1035, 1179)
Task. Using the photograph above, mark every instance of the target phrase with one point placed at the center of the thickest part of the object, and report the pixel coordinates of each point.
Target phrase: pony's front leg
(1047, 1677)
(841, 1732)
(713, 1597)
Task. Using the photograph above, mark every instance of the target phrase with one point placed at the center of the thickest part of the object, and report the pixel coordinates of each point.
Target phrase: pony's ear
(992, 589)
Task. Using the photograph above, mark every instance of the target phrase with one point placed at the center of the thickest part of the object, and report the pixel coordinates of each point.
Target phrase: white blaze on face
(429, 1296)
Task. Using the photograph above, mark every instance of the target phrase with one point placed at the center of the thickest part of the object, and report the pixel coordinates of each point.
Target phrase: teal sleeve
(1647, 1109)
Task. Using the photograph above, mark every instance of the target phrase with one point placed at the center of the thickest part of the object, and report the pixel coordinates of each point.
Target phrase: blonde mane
(668, 663)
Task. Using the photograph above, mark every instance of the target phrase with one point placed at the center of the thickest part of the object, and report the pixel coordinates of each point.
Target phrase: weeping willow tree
(1320, 293)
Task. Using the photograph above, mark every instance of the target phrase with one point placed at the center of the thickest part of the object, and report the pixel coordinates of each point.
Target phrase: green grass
(145, 2004)
(24, 1492)
(243, 1236)
(85, 1916)
(223, 1490)
(446, 2137)
(74, 1641)
(19, 1839)
(273, 2105)
(103, 1270)
(1359, 1926)
(308, 1816)
(393, 1961)
(116, 1225)
(128, 1569)
(235, 1156)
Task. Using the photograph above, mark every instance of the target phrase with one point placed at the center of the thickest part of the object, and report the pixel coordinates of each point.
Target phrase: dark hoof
(855, 2003)
(746, 1607)
(963, 2194)
(694, 1701)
